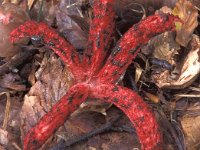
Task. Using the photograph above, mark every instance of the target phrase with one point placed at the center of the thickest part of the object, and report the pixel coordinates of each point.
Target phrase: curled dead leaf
(188, 73)
(189, 15)
(30, 3)
(138, 73)
(162, 47)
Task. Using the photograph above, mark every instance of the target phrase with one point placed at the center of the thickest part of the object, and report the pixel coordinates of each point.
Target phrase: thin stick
(40, 11)
(187, 95)
(62, 145)
(102, 129)
(7, 111)
(16, 146)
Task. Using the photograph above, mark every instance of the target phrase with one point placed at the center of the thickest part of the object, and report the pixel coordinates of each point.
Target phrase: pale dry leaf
(95, 106)
(30, 3)
(2, 148)
(3, 137)
(11, 1)
(92, 148)
(188, 73)
(191, 131)
(52, 84)
(152, 97)
(30, 108)
(7, 111)
(162, 47)
(138, 74)
(189, 15)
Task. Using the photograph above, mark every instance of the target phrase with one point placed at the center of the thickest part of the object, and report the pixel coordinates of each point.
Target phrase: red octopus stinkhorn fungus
(93, 78)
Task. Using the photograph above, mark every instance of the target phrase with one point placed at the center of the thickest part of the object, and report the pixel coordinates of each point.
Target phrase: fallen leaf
(189, 14)
(152, 97)
(52, 83)
(30, 3)
(190, 126)
(48, 12)
(188, 73)
(2, 148)
(11, 16)
(67, 24)
(138, 73)
(12, 81)
(3, 137)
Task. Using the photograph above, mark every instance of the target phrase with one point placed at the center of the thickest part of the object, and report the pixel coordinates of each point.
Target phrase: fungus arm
(54, 41)
(129, 45)
(137, 111)
(56, 117)
(100, 35)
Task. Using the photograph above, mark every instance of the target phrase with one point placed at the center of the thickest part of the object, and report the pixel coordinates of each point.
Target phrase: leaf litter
(33, 94)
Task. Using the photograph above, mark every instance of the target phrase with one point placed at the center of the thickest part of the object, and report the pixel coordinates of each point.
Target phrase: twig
(187, 95)
(7, 110)
(172, 131)
(180, 132)
(62, 144)
(16, 146)
(15, 61)
(102, 129)
(123, 129)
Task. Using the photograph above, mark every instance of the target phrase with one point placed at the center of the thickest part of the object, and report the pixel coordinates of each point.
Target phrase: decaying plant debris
(11, 17)
(166, 70)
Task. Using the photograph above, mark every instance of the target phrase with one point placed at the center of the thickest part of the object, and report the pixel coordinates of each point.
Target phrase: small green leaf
(178, 25)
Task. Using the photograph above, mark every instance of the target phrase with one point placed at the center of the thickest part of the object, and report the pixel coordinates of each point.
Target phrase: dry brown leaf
(70, 28)
(82, 123)
(188, 73)
(163, 47)
(2, 148)
(30, 3)
(191, 126)
(7, 111)
(150, 5)
(49, 10)
(11, 16)
(15, 61)
(138, 73)
(11, 1)
(13, 82)
(9, 119)
(3, 137)
(52, 84)
(85, 122)
(81, 22)
(189, 14)
(152, 97)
